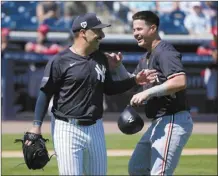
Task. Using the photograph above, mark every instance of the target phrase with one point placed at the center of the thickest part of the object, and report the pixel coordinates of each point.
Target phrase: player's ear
(82, 32)
(153, 28)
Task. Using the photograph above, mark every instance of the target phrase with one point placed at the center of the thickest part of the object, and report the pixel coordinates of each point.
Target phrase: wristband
(37, 123)
(157, 91)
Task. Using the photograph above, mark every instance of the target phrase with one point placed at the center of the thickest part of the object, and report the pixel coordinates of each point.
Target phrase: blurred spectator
(177, 16)
(196, 22)
(4, 34)
(71, 10)
(41, 45)
(173, 22)
(5, 43)
(121, 10)
(177, 13)
(47, 12)
(165, 7)
(209, 8)
(139, 6)
(186, 7)
(211, 76)
(125, 10)
(75, 8)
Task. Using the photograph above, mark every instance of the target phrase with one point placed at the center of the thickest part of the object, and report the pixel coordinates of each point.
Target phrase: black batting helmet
(129, 121)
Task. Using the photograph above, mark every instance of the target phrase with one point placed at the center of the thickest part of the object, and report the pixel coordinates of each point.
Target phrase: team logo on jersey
(101, 72)
(83, 24)
(72, 64)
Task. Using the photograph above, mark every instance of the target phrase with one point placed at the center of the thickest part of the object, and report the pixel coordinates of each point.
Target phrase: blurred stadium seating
(21, 15)
(18, 66)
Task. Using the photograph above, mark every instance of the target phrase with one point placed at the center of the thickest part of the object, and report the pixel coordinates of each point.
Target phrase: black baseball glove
(35, 155)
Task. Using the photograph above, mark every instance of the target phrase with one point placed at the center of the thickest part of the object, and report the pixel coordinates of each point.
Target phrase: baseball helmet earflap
(129, 121)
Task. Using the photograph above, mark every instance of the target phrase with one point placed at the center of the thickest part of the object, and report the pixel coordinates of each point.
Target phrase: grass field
(188, 165)
(118, 141)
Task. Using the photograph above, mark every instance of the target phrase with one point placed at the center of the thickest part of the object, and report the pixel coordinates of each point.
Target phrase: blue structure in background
(8, 111)
(128, 57)
(192, 62)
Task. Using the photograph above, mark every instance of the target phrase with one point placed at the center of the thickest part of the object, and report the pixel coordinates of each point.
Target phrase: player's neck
(81, 49)
(154, 44)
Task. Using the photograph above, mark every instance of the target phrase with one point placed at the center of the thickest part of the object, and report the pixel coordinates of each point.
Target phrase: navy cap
(88, 21)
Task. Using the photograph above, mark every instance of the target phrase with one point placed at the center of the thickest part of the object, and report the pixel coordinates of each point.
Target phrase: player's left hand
(114, 60)
(139, 98)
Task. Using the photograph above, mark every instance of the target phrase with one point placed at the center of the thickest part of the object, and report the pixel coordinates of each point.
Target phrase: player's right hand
(146, 77)
(34, 129)
(114, 60)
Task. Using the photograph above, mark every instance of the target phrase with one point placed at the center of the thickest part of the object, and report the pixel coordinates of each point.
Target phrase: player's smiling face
(143, 33)
(94, 36)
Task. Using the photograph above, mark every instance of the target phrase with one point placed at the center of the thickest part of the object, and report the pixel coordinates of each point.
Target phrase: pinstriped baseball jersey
(80, 149)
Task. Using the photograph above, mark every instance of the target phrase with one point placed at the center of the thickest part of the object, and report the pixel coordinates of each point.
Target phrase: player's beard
(94, 44)
(143, 43)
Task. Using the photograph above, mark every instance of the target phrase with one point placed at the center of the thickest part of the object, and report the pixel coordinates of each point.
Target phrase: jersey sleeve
(116, 87)
(51, 79)
(170, 64)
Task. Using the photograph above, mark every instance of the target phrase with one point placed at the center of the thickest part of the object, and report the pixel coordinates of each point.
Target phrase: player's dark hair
(148, 16)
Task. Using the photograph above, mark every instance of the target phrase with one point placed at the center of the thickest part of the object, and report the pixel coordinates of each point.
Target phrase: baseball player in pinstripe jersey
(77, 78)
(159, 150)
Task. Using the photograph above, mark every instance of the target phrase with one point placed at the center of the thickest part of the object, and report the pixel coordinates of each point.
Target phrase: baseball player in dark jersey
(159, 150)
(77, 78)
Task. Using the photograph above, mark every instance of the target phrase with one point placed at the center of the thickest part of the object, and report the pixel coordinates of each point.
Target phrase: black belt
(81, 122)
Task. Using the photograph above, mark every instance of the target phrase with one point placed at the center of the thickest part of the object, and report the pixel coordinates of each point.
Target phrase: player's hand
(34, 129)
(29, 47)
(114, 60)
(139, 98)
(39, 48)
(146, 77)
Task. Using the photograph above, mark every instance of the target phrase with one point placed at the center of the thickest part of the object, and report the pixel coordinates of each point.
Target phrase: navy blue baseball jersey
(167, 61)
(78, 84)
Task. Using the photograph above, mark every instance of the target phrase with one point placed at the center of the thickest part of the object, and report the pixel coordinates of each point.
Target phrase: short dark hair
(148, 16)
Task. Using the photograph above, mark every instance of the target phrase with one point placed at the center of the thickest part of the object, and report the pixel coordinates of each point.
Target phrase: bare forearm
(176, 84)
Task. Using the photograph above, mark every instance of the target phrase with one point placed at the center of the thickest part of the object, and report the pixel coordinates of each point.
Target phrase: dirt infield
(13, 127)
(12, 154)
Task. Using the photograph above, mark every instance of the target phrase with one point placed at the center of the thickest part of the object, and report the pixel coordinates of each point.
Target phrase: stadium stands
(21, 15)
